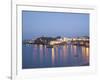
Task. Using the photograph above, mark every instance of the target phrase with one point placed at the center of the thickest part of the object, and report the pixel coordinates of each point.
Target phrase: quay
(51, 42)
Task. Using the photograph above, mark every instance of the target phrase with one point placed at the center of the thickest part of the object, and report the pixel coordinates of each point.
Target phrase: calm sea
(39, 56)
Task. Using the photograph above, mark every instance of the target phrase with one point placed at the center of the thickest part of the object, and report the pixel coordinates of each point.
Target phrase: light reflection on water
(39, 56)
(85, 54)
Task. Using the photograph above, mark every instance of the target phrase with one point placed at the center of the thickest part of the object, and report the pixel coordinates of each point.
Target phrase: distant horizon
(53, 24)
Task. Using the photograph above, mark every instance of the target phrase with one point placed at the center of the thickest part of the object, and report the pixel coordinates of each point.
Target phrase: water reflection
(75, 51)
(41, 54)
(85, 54)
(65, 55)
(53, 56)
(35, 54)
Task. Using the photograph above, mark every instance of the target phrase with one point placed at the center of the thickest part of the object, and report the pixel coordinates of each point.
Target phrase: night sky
(52, 24)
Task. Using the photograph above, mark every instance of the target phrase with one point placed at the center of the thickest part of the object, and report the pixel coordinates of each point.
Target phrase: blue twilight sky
(52, 24)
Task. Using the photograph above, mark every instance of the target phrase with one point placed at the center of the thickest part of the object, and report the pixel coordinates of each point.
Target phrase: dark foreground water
(39, 56)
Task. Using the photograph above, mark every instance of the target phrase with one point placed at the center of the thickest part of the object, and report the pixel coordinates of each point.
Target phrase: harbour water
(39, 56)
